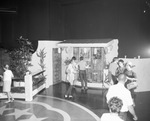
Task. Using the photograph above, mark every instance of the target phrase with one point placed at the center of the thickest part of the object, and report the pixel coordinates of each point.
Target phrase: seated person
(115, 105)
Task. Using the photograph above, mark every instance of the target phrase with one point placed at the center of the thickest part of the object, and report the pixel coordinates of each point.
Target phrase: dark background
(125, 20)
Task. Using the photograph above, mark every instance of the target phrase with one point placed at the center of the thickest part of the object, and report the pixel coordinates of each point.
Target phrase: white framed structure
(97, 53)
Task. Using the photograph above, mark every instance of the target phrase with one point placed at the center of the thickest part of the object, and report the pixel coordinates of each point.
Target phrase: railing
(29, 89)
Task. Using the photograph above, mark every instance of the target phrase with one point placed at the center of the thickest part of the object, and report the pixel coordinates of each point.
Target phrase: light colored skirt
(71, 78)
(6, 86)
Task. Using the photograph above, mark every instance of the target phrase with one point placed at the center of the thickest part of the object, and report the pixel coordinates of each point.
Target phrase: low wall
(142, 69)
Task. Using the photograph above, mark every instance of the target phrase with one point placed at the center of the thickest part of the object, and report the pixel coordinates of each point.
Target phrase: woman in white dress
(7, 79)
(71, 74)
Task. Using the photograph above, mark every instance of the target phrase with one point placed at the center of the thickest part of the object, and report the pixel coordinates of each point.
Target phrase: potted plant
(41, 55)
(20, 59)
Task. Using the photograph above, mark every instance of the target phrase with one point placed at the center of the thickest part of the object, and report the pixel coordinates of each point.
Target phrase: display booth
(97, 53)
(49, 63)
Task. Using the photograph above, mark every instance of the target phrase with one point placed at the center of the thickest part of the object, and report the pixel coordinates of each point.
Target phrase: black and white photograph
(74, 60)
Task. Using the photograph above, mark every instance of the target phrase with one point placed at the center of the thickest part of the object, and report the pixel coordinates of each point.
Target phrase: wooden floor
(50, 105)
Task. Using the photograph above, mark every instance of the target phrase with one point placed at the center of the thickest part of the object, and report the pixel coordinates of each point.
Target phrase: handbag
(131, 82)
(132, 85)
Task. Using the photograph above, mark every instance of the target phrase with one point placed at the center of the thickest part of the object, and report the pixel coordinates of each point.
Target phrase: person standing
(119, 90)
(115, 105)
(131, 82)
(7, 79)
(112, 69)
(71, 73)
(82, 73)
(121, 68)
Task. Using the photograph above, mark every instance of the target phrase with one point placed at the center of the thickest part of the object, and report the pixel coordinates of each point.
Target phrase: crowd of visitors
(120, 96)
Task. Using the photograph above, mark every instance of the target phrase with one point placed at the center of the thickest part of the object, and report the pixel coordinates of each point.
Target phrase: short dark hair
(122, 61)
(115, 104)
(115, 58)
(73, 58)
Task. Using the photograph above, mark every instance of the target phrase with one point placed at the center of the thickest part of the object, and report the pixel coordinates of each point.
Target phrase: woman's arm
(132, 79)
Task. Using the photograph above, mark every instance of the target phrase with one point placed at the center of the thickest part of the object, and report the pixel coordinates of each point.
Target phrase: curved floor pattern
(45, 108)
(78, 106)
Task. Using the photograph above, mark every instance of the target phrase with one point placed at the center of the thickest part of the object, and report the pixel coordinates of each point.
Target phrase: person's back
(7, 78)
(121, 92)
(82, 64)
(82, 73)
(124, 94)
(8, 75)
(110, 117)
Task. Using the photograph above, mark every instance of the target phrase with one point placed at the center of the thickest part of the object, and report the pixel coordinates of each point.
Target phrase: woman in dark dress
(121, 68)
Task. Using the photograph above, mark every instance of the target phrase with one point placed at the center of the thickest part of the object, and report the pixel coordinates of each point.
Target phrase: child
(115, 105)
(7, 79)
